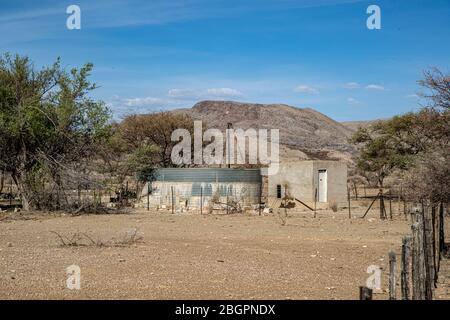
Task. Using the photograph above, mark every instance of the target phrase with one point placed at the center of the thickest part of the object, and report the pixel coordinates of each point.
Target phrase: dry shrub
(282, 215)
(334, 206)
(80, 239)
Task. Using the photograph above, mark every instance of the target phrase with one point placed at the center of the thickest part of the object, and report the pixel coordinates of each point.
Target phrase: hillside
(304, 133)
(355, 125)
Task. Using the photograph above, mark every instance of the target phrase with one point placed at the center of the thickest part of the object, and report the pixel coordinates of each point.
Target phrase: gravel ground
(189, 256)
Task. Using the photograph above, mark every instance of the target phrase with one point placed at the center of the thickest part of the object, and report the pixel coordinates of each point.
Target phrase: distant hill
(304, 133)
(355, 125)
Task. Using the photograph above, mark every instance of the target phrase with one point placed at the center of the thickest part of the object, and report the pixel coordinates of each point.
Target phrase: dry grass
(80, 239)
(188, 256)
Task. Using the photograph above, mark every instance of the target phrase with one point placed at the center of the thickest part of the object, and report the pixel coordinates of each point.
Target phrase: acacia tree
(379, 156)
(429, 134)
(47, 123)
(148, 138)
(417, 143)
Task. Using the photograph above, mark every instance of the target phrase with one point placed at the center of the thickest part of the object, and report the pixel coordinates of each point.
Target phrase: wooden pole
(228, 200)
(382, 208)
(434, 247)
(171, 190)
(406, 253)
(365, 293)
(148, 195)
(428, 251)
(392, 275)
(201, 199)
(260, 197)
(441, 230)
(364, 215)
(390, 204)
(315, 202)
(405, 212)
(356, 190)
(418, 260)
(349, 204)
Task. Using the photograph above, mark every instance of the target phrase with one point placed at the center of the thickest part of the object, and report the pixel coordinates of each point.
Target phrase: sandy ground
(189, 256)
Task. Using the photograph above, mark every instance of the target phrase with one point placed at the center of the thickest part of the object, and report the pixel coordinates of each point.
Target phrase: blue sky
(165, 54)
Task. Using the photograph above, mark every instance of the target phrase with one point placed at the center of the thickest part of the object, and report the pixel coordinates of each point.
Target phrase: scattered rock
(9, 244)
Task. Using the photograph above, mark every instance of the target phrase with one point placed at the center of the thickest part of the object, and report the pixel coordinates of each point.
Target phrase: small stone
(9, 244)
(121, 260)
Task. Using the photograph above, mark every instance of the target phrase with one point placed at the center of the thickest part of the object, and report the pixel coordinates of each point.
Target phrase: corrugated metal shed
(207, 175)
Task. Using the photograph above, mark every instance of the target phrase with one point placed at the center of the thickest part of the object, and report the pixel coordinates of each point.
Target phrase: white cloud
(413, 96)
(351, 85)
(223, 92)
(211, 93)
(306, 89)
(374, 87)
(125, 106)
(144, 102)
(182, 94)
(352, 101)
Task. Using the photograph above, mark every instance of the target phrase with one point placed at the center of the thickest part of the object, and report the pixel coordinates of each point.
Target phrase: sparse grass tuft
(79, 239)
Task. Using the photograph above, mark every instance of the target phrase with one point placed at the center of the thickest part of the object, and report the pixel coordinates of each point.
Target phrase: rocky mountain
(304, 133)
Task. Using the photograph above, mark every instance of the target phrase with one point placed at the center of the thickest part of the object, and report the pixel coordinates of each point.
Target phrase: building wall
(187, 187)
(337, 179)
(301, 178)
(298, 176)
(188, 195)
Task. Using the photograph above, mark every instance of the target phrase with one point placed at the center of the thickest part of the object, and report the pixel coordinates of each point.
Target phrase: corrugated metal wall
(207, 175)
(190, 184)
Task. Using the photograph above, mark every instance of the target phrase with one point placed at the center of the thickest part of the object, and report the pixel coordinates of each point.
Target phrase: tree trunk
(26, 203)
(2, 180)
(382, 208)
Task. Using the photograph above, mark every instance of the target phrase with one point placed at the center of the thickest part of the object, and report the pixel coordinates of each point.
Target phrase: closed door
(322, 186)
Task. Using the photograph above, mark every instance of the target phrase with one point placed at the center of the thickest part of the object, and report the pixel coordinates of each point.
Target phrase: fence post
(315, 202)
(365, 293)
(441, 230)
(349, 206)
(171, 190)
(148, 195)
(201, 199)
(382, 206)
(392, 275)
(436, 256)
(418, 259)
(406, 252)
(390, 204)
(428, 251)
